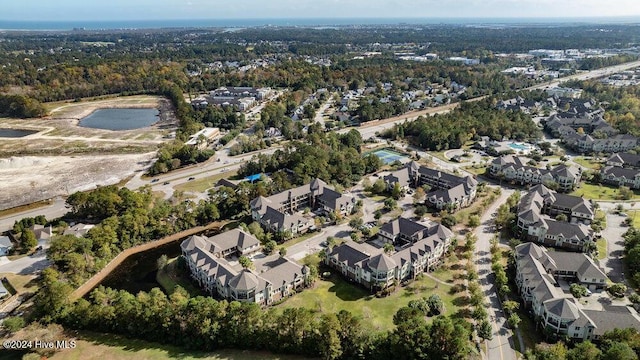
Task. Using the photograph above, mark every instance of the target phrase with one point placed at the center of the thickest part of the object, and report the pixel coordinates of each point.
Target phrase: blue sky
(69, 10)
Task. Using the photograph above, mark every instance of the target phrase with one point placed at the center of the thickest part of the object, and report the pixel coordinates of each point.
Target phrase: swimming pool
(388, 156)
(517, 146)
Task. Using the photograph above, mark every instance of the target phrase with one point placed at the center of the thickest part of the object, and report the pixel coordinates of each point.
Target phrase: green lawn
(476, 169)
(599, 192)
(202, 184)
(169, 277)
(95, 346)
(633, 214)
(587, 162)
(602, 248)
(336, 293)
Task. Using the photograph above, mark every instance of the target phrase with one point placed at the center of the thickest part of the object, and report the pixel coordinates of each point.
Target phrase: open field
(587, 162)
(30, 179)
(600, 192)
(336, 293)
(94, 346)
(202, 184)
(21, 283)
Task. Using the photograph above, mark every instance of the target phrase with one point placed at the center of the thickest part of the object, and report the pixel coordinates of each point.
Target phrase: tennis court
(388, 156)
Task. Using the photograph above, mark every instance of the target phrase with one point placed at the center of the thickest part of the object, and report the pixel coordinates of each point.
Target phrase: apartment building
(279, 212)
(208, 259)
(419, 247)
(537, 220)
(514, 168)
(447, 191)
(543, 277)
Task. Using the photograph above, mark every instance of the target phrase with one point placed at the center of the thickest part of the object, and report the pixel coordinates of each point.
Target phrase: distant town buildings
(210, 262)
(539, 219)
(242, 98)
(419, 248)
(447, 191)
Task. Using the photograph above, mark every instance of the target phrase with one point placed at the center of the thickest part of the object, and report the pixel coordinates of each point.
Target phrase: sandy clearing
(28, 179)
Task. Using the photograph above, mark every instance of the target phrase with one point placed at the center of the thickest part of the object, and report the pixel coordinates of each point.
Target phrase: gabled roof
(350, 254)
(403, 226)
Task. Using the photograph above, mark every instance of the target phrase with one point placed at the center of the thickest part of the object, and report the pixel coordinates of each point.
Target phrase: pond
(120, 119)
(138, 272)
(15, 133)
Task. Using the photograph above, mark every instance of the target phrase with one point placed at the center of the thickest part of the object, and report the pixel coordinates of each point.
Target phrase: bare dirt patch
(29, 179)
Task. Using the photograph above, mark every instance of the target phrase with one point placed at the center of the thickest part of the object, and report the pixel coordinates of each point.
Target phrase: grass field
(19, 209)
(335, 294)
(169, 277)
(599, 192)
(587, 162)
(202, 184)
(22, 283)
(94, 346)
(602, 248)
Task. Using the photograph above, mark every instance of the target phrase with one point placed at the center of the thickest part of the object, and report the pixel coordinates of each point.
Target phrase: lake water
(12, 133)
(120, 119)
(138, 272)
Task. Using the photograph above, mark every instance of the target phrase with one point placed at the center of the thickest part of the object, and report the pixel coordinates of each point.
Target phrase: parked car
(155, 180)
(191, 178)
(166, 183)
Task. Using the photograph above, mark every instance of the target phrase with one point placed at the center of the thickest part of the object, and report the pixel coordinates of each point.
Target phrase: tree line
(468, 121)
(207, 324)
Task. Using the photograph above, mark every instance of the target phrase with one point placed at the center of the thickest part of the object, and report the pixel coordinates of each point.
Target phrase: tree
(378, 187)
(561, 217)
(618, 289)
(619, 351)
(330, 329)
(449, 221)
(270, 247)
(389, 248)
(585, 350)
(435, 305)
(396, 192)
(514, 321)
(245, 262)
(28, 240)
(474, 221)
(418, 195)
(485, 330)
(390, 204)
(282, 251)
(356, 223)
(625, 193)
(578, 290)
(510, 306)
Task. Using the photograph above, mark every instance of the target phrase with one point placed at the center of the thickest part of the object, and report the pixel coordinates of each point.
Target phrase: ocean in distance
(303, 22)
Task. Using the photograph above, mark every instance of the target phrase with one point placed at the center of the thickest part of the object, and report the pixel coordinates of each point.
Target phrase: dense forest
(469, 121)
(330, 156)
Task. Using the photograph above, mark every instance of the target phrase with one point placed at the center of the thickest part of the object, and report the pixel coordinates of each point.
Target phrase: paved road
(26, 265)
(501, 346)
(56, 209)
